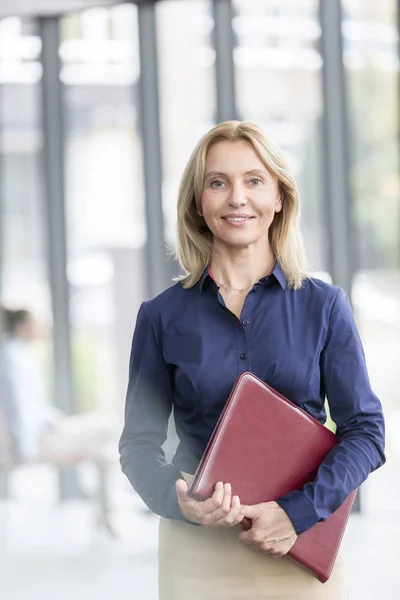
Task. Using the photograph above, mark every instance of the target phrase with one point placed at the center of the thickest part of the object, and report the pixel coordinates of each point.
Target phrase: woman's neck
(241, 269)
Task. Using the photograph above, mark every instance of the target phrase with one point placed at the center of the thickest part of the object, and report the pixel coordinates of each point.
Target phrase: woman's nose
(237, 197)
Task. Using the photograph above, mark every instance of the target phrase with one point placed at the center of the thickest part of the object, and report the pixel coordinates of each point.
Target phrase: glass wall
(370, 53)
(24, 273)
(104, 196)
(187, 90)
(278, 85)
(370, 41)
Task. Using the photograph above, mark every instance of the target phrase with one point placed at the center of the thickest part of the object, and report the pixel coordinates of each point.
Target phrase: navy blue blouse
(187, 352)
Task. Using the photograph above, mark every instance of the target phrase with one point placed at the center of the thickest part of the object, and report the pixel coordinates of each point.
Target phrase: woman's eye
(256, 181)
(217, 183)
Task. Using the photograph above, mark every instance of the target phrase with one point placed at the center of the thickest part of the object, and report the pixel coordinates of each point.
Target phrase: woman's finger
(225, 506)
(227, 499)
(216, 499)
(239, 511)
(227, 517)
(181, 490)
(235, 514)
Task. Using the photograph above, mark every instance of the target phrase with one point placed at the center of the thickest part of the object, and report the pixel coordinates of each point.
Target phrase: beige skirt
(204, 563)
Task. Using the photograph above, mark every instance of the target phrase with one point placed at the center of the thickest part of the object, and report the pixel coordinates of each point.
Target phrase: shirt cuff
(299, 509)
(172, 507)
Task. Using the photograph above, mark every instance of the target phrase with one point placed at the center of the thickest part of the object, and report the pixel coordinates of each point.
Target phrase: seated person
(36, 429)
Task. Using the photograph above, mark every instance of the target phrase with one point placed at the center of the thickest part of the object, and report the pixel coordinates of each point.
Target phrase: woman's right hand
(221, 510)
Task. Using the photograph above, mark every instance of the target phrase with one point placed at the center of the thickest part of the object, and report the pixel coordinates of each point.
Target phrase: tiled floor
(53, 552)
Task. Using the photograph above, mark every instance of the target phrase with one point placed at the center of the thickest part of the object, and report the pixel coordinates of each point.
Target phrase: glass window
(187, 90)
(371, 61)
(370, 40)
(104, 197)
(24, 271)
(278, 85)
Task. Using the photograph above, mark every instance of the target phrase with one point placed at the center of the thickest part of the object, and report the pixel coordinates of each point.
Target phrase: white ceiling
(14, 8)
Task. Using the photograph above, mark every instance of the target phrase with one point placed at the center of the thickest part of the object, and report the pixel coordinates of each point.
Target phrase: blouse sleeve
(147, 410)
(357, 413)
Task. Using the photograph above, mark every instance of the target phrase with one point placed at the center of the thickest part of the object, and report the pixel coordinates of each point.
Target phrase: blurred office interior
(101, 103)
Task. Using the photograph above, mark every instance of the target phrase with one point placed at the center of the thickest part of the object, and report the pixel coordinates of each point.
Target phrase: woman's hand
(221, 510)
(272, 531)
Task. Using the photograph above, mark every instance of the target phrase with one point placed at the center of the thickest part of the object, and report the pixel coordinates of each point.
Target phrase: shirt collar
(203, 278)
(276, 272)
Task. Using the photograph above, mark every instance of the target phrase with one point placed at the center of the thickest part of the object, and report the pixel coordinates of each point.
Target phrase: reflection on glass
(278, 85)
(187, 89)
(104, 196)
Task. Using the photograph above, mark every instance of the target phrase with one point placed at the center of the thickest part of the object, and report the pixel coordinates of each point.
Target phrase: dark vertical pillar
(151, 141)
(336, 160)
(225, 72)
(53, 164)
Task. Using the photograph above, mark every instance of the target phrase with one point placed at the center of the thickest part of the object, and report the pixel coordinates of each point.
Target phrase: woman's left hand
(272, 531)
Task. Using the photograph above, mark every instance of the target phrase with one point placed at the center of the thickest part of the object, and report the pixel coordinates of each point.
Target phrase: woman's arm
(357, 413)
(148, 407)
(147, 410)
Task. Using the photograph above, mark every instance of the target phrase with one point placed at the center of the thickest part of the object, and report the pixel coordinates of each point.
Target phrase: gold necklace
(226, 288)
(229, 289)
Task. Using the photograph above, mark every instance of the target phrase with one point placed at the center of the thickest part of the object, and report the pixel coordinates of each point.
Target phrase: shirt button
(246, 322)
(243, 356)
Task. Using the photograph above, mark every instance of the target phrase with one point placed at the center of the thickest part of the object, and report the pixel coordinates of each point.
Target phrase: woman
(245, 304)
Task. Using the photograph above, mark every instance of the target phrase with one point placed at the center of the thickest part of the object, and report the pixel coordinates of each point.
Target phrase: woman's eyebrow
(221, 174)
(257, 172)
(215, 174)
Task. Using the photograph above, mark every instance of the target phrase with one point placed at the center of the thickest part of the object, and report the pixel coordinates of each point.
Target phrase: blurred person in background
(246, 303)
(36, 429)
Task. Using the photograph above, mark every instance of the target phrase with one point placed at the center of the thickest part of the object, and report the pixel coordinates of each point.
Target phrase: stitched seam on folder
(341, 537)
(218, 427)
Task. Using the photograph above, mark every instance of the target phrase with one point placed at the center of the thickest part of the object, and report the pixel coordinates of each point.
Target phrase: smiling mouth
(237, 219)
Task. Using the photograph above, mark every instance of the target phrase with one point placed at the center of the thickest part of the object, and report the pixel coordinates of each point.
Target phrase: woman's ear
(279, 203)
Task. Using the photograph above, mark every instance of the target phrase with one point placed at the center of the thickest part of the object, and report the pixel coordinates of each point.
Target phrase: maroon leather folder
(265, 446)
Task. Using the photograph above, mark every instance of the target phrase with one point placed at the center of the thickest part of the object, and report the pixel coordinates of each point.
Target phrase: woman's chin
(234, 242)
(239, 239)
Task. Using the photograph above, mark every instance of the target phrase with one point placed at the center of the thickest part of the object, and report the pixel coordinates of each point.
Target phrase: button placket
(245, 323)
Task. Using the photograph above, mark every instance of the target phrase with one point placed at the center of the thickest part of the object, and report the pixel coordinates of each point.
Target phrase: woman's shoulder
(317, 289)
(173, 299)
(320, 283)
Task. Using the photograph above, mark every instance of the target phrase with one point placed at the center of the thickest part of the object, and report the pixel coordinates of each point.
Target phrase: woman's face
(240, 197)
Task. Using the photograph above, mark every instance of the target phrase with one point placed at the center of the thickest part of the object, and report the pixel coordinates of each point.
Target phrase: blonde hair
(194, 243)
